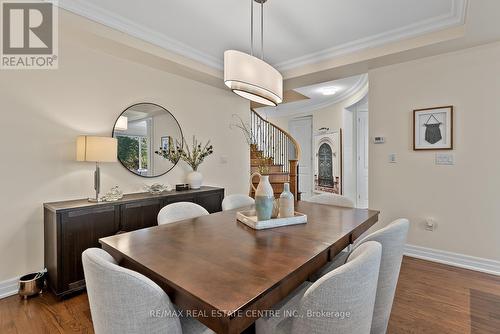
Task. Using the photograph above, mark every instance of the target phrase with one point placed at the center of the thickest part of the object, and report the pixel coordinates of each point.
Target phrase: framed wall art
(433, 128)
(166, 142)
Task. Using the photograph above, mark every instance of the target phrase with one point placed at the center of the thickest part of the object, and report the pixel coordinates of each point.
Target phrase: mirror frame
(166, 110)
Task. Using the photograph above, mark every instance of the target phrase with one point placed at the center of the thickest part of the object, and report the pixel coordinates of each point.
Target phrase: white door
(301, 130)
(362, 159)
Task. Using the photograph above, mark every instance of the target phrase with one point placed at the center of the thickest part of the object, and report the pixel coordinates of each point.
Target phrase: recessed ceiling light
(329, 90)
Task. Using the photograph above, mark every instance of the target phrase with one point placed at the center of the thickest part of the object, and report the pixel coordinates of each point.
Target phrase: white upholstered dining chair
(180, 211)
(332, 199)
(236, 201)
(341, 302)
(393, 239)
(123, 301)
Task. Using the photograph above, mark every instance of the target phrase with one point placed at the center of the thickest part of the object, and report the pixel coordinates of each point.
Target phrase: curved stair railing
(277, 147)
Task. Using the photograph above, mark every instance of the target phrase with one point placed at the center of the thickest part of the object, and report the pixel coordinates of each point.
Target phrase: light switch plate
(223, 159)
(392, 158)
(445, 159)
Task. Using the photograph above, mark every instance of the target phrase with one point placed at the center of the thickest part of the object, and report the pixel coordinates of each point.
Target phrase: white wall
(463, 198)
(42, 112)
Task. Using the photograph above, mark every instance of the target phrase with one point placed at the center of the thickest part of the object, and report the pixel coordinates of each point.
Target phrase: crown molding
(110, 19)
(456, 17)
(360, 85)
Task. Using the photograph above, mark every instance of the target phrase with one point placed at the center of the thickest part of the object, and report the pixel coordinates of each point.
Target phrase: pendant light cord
(262, 30)
(251, 27)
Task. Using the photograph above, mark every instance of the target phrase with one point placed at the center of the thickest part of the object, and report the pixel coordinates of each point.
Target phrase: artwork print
(433, 128)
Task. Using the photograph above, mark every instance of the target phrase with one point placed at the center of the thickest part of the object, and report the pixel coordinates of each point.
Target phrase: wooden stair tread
(279, 183)
(270, 165)
(276, 173)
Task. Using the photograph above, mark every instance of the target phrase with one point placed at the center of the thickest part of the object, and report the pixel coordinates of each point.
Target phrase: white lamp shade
(96, 149)
(252, 78)
(121, 123)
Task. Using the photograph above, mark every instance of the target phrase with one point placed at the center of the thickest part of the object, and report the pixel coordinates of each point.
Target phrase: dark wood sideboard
(70, 227)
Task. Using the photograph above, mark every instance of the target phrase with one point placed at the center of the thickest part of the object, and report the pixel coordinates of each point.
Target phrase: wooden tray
(249, 218)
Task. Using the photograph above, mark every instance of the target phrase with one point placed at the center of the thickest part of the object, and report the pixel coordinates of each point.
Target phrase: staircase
(274, 152)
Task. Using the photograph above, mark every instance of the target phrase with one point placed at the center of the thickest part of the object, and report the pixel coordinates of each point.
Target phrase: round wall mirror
(146, 134)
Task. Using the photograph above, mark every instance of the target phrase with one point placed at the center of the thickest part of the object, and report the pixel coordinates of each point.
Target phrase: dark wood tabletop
(226, 271)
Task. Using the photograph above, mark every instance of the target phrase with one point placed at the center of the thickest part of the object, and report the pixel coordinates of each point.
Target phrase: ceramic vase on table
(194, 179)
(287, 205)
(264, 197)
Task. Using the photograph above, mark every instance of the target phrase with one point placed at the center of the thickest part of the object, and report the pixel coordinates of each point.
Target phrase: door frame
(351, 132)
(357, 156)
(311, 177)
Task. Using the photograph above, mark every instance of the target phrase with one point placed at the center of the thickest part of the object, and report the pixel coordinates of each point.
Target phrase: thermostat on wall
(378, 140)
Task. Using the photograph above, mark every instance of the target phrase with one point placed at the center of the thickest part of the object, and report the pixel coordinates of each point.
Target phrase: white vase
(287, 205)
(264, 197)
(194, 179)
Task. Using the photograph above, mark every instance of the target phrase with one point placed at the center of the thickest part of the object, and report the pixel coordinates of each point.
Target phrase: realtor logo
(29, 35)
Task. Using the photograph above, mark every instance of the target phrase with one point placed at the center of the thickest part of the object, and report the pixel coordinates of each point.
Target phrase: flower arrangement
(245, 128)
(193, 156)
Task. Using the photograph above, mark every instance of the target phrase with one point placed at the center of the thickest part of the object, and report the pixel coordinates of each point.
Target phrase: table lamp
(96, 149)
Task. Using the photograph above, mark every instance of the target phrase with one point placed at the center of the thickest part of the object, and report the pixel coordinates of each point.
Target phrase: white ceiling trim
(455, 18)
(127, 26)
(360, 85)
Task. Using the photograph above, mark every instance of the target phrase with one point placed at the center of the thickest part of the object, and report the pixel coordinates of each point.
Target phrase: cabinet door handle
(141, 204)
(77, 213)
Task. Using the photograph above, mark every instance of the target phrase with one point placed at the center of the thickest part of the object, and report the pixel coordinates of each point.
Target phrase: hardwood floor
(45, 314)
(434, 298)
(430, 298)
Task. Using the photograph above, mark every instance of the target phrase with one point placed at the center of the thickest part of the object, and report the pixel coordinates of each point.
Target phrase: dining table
(226, 274)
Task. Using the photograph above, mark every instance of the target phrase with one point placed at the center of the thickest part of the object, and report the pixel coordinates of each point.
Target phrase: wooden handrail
(273, 143)
(298, 150)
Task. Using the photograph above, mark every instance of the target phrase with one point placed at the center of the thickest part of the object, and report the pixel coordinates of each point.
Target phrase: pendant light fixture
(250, 77)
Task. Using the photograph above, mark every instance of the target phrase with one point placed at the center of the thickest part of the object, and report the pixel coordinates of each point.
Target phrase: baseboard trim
(9, 287)
(454, 259)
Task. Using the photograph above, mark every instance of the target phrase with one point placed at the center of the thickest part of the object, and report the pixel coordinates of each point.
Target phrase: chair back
(236, 201)
(342, 301)
(332, 199)
(124, 301)
(179, 211)
(393, 240)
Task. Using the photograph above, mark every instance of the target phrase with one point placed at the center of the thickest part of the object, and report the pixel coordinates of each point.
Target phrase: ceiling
(341, 89)
(297, 32)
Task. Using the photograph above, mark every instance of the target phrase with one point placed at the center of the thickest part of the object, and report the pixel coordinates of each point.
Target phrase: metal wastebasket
(31, 284)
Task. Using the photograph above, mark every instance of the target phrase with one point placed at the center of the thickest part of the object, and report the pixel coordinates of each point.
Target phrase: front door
(325, 168)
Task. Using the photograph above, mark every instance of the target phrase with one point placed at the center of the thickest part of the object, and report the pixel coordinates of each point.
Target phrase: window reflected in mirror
(143, 131)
